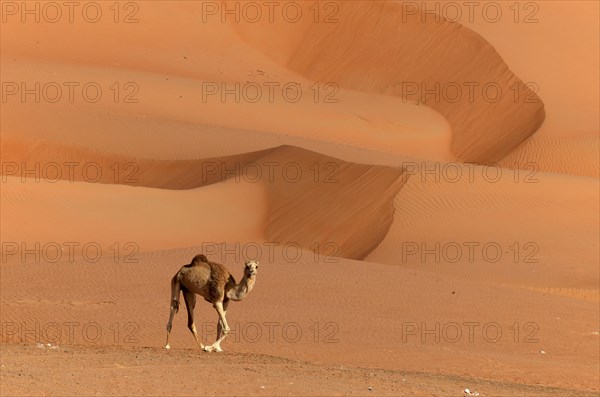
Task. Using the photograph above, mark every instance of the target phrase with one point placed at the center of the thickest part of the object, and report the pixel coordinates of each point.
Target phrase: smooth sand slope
(56, 214)
(159, 94)
(486, 227)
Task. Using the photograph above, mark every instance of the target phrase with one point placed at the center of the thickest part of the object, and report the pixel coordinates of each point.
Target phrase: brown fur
(220, 280)
(199, 258)
(175, 288)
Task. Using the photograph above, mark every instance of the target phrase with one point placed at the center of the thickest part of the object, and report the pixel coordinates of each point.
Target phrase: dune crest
(51, 161)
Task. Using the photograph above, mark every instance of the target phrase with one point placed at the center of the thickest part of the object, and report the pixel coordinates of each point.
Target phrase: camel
(216, 285)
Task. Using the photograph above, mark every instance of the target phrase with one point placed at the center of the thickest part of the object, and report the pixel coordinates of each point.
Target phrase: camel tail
(175, 292)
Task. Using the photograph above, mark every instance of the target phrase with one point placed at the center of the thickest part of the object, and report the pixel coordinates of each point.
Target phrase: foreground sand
(334, 311)
(154, 372)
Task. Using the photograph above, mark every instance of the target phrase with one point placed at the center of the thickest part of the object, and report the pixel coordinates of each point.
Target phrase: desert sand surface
(261, 375)
(411, 241)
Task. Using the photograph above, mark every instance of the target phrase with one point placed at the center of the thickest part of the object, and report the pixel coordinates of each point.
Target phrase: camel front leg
(220, 323)
(222, 327)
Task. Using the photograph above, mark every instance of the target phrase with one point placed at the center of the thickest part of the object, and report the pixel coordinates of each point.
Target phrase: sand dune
(484, 129)
(155, 104)
(354, 201)
(563, 68)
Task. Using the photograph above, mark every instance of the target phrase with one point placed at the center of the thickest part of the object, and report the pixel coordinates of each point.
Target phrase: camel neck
(242, 289)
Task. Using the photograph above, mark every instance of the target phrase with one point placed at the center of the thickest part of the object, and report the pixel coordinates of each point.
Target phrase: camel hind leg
(175, 290)
(190, 303)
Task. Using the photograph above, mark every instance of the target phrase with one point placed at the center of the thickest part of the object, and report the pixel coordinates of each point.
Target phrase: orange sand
(350, 200)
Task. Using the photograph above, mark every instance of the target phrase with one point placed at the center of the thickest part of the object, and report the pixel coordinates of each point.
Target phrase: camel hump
(199, 258)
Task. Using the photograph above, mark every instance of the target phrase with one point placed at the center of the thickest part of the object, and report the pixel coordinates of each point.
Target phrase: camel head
(251, 268)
